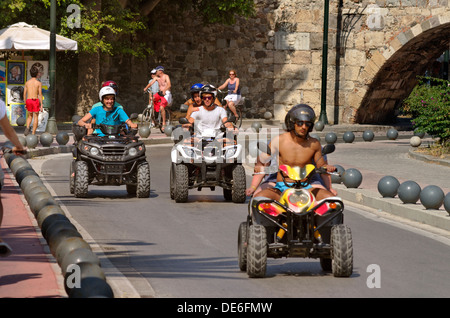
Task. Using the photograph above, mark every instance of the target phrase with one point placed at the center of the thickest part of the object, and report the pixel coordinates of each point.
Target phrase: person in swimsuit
(164, 95)
(32, 95)
(234, 92)
(296, 148)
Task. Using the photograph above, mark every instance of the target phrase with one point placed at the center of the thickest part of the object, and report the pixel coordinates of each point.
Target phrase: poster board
(15, 76)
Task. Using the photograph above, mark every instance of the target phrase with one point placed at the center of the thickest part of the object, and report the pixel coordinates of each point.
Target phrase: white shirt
(205, 119)
(2, 109)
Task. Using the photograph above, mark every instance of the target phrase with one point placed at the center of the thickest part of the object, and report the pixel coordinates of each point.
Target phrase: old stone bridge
(376, 49)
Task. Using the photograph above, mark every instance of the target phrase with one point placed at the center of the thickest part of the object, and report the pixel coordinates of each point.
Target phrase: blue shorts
(281, 186)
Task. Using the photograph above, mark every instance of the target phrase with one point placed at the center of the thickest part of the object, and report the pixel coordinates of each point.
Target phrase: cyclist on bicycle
(109, 114)
(164, 95)
(153, 89)
(234, 92)
(195, 101)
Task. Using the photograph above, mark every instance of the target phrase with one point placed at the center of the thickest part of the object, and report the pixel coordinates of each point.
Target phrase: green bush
(429, 105)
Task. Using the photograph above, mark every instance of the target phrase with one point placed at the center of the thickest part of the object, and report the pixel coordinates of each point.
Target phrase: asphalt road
(189, 250)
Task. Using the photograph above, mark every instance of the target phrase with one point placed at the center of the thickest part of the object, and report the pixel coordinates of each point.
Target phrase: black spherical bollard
(352, 178)
(319, 126)
(432, 197)
(46, 221)
(32, 141)
(447, 203)
(21, 121)
(144, 131)
(49, 211)
(409, 192)
(348, 137)
(86, 270)
(92, 287)
(62, 138)
(392, 134)
(168, 130)
(419, 134)
(68, 245)
(57, 237)
(54, 225)
(77, 256)
(388, 186)
(330, 138)
(41, 200)
(23, 140)
(29, 181)
(335, 178)
(368, 135)
(46, 139)
(256, 127)
(267, 115)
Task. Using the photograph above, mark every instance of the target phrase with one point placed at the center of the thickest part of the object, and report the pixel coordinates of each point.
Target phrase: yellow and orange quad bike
(295, 226)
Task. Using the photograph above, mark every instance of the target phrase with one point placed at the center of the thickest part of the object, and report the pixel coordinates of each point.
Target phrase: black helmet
(208, 89)
(300, 112)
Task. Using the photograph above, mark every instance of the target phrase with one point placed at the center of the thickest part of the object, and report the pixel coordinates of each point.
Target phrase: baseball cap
(153, 71)
(159, 68)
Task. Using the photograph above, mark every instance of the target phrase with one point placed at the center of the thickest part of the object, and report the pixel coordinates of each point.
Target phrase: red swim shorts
(159, 101)
(33, 105)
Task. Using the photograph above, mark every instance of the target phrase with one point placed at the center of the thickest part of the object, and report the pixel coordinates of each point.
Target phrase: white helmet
(107, 90)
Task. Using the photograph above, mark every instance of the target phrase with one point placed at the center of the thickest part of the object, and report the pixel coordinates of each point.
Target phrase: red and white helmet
(107, 90)
(111, 84)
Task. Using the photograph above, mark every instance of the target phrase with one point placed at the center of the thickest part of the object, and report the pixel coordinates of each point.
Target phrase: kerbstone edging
(58, 230)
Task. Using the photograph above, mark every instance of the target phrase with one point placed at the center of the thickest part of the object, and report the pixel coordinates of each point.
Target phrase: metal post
(323, 106)
(51, 124)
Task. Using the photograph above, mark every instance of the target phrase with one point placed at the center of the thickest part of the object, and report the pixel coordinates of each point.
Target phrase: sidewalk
(32, 272)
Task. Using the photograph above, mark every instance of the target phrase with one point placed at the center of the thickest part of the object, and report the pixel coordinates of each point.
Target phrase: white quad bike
(207, 161)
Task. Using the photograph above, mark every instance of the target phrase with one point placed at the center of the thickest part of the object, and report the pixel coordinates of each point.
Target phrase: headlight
(230, 152)
(299, 201)
(132, 151)
(94, 151)
(299, 198)
(189, 152)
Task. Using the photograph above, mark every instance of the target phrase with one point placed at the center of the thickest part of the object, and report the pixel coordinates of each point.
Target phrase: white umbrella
(22, 36)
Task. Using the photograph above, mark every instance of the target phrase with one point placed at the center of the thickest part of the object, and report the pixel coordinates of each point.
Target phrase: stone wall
(278, 56)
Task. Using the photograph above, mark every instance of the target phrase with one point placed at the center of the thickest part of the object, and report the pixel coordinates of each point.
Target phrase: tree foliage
(111, 26)
(429, 105)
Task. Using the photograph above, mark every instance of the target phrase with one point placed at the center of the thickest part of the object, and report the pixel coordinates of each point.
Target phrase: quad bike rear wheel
(242, 246)
(239, 185)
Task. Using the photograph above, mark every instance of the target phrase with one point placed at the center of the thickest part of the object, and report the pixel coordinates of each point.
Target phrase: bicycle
(149, 115)
(238, 122)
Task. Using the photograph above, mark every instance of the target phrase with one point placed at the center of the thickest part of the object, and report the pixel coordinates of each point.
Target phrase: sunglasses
(306, 123)
(232, 74)
(207, 97)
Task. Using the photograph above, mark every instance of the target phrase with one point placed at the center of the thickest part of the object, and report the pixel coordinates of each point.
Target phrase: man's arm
(169, 85)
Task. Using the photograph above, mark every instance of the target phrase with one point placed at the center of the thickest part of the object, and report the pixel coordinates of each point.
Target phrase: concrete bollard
(432, 197)
(409, 192)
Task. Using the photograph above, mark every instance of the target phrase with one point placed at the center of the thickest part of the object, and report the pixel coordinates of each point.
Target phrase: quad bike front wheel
(181, 189)
(239, 184)
(257, 251)
(143, 181)
(342, 251)
(81, 180)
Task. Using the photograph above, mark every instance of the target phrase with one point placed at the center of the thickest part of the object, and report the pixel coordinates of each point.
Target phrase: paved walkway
(32, 272)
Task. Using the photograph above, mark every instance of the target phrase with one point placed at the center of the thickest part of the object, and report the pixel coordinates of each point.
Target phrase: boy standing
(32, 95)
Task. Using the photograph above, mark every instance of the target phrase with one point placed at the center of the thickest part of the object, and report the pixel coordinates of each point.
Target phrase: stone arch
(396, 69)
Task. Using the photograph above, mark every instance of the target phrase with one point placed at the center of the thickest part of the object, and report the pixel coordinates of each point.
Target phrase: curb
(65, 242)
(415, 212)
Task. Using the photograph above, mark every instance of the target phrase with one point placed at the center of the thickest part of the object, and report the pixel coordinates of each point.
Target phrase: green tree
(110, 26)
(429, 105)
